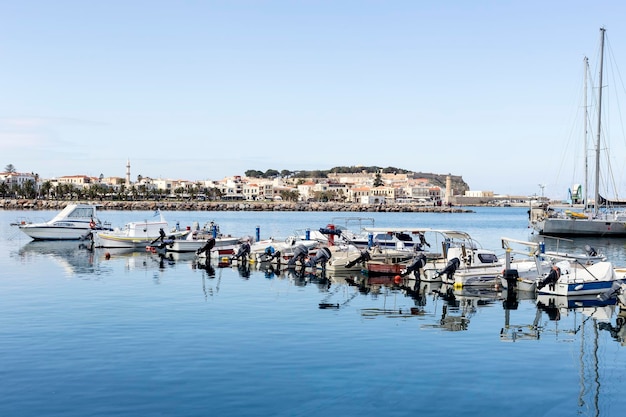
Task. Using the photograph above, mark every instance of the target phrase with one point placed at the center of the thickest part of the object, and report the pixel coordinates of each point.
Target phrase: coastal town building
(17, 178)
(355, 187)
(80, 181)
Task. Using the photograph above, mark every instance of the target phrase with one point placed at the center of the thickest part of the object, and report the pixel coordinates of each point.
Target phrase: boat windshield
(81, 212)
(488, 258)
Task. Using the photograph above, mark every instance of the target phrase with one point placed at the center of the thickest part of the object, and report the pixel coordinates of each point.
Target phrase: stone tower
(128, 173)
(449, 192)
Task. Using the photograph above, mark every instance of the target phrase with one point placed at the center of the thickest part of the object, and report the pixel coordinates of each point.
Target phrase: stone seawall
(229, 206)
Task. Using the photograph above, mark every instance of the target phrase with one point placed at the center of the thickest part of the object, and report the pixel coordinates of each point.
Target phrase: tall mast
(597, 185)
(586, 72)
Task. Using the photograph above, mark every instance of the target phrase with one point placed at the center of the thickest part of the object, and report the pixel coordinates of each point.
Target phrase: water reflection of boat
(617, 331)
(74, 257)
(460, 304)
(588, 316)
(590, 306)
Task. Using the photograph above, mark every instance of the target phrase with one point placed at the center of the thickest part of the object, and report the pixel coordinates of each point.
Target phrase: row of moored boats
(425, 254)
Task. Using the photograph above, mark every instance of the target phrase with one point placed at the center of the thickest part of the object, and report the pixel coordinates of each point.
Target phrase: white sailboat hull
(581, 227)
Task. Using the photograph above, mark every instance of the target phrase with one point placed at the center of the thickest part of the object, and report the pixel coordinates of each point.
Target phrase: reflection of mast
(596, 372)
(593, 368)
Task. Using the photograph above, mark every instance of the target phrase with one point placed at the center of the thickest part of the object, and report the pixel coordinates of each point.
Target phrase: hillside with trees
(458, 184)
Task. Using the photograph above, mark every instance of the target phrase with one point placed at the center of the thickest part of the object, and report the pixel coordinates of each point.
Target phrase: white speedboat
(573, 279)
(74, 222)
(454, 257)
(524, 274)
(392, 238)
(197, 238)
(279, 250)
(137, 235)
(224, 245)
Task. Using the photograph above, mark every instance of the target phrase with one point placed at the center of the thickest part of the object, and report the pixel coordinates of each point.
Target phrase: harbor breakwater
(13, 204)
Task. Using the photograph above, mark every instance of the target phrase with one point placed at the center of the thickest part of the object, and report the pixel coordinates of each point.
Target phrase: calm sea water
(136, 335)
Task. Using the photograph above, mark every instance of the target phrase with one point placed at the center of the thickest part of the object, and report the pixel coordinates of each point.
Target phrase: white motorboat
(137, 235)
(573, 279)
(346, 257)
(391, 238)
(462, 261)
(224, 245)
(74, 222)
(425, 252)
(279, 250)
(476, 266)
(524, 274)
(197, 238)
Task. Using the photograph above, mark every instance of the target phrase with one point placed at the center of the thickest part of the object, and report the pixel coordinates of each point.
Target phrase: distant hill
(459, 186)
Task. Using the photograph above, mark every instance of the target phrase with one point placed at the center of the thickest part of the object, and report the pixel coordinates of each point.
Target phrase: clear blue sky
(206, 89)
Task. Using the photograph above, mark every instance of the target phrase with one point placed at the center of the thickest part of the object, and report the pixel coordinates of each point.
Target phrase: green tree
(271, 173)
(45, 188)
(4, 189)
(253, 173)
(9, 168)
(378, 181)
(289, 195)
(29, 190)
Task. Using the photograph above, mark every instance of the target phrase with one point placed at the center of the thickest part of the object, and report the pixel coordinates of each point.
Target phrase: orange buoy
(397, 279)
(107, 255)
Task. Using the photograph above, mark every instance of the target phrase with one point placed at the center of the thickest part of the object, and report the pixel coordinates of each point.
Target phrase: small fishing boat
(388, 261)
(198, 237)
(525, 274)
(137, 235)
(568, 278)
(280, 250)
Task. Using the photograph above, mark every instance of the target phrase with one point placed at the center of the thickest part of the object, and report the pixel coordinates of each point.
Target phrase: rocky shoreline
(231, 206)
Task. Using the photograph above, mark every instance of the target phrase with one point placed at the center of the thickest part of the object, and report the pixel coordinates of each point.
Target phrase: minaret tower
(128, 173)
(449, 191)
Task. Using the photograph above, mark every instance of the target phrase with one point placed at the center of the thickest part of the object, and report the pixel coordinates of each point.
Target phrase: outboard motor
(450, 269)
(590, 251)
(614, 291)
(322, 256)
(362, 258)
(270, 254)
(551, 279)
(161, 237)
(243, 252)
(416, 266)
(299, 254)
(210, 243)
(510, 276)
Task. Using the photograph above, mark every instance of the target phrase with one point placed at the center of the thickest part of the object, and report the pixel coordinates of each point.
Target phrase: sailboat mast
(586, 72)
(597, 184)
